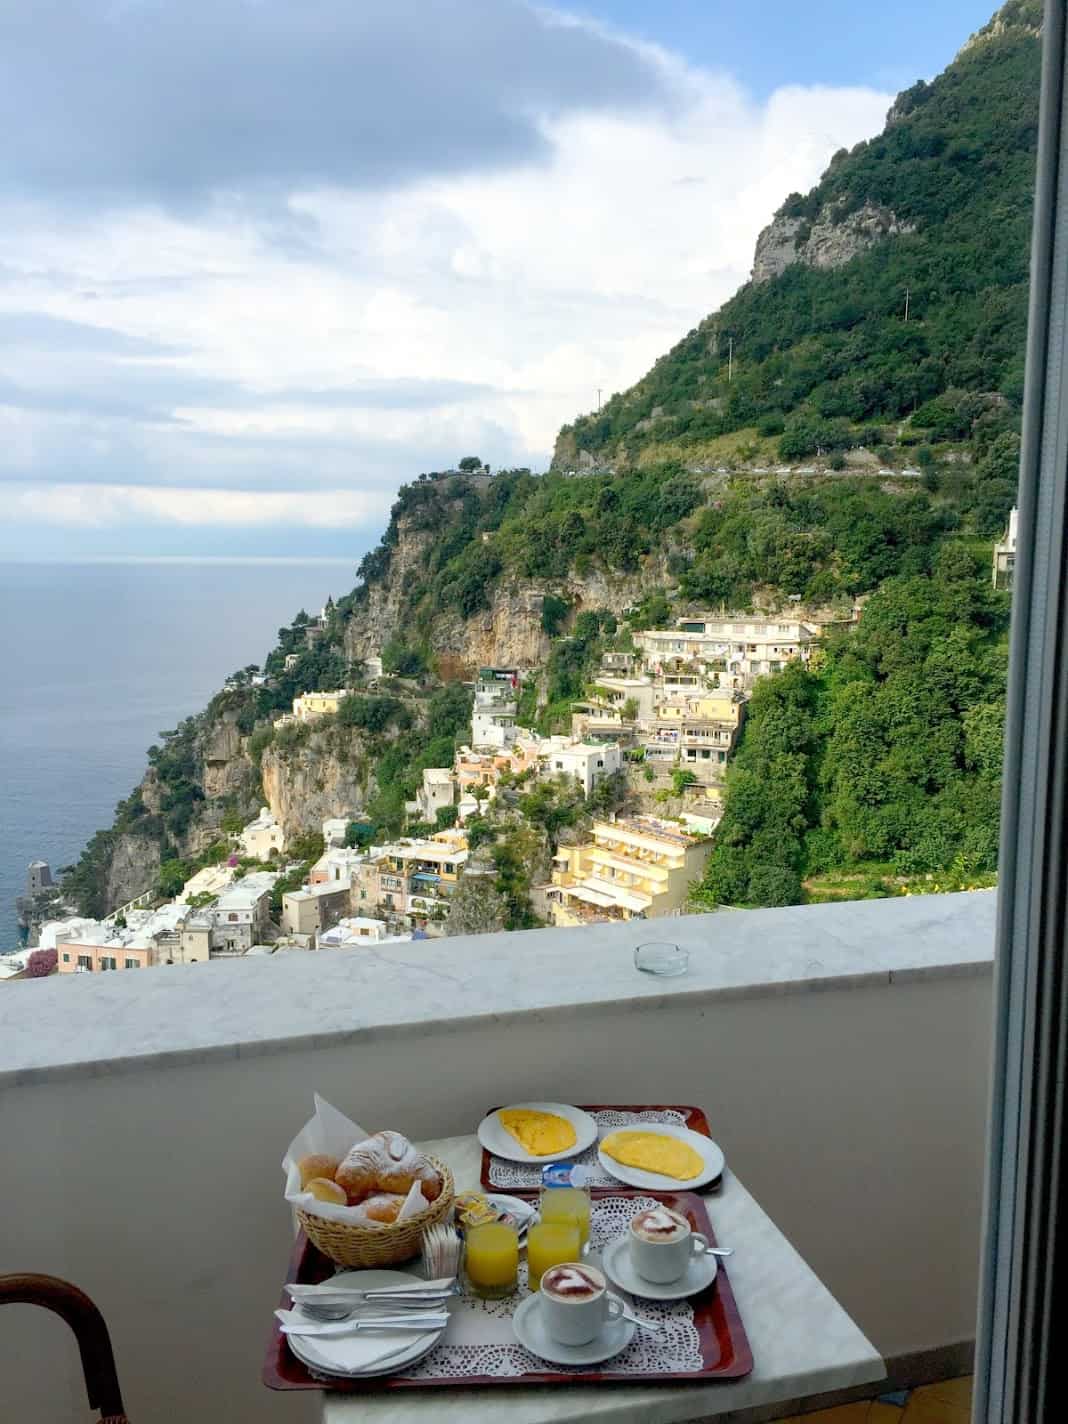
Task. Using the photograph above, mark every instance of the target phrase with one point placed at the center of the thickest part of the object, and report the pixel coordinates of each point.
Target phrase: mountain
(886, 314)
(815, 444)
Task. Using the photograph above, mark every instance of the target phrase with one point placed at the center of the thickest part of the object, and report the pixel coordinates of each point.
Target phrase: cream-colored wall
(855, 1115)
(300, 915)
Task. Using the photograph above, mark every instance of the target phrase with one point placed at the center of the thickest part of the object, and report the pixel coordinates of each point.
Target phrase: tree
(308, 846)
(553, 805)
(553, 613)
(403, 661)
(172, 876)
(477, 906)
(41, 963)
(680, 779)
(469, 464)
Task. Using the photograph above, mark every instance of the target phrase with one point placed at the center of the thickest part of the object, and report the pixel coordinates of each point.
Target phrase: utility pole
(906, 303)
(730, 359)
(598, 397)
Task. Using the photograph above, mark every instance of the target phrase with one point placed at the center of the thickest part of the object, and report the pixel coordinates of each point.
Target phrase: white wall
(854, 1114)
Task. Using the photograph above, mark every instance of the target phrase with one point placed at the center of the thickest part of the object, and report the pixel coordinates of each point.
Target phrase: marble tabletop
(803, 1341)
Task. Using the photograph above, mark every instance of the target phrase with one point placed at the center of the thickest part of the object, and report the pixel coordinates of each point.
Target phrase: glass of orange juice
(550, 1243)
(491, 1258)
(567, 1205)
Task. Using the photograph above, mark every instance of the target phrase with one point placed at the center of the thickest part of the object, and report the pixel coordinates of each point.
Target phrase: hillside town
(664, 717)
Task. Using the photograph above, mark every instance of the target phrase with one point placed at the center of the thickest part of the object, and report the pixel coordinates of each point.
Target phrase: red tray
(695, 1121)
(724, 1344)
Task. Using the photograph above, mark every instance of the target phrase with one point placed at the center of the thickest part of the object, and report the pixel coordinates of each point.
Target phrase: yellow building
(694, 732)
(634, 868)
(310, 705)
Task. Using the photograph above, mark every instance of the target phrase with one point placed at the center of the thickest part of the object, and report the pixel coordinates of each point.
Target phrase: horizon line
(285, 559)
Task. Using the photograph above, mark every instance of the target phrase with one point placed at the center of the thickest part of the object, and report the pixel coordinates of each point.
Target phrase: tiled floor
(947, 1403)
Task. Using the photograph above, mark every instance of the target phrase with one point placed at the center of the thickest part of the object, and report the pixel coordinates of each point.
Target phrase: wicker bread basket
(378, 1245)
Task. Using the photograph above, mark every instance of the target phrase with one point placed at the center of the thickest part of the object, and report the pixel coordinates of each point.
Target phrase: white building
(212, 880)
(262, 836)
(335, 829)
(585, 762)
(336, 866)
(737, 649)
(438, 790)
(359, 930)
(242, 913)
(496, 703)
(1005, 555)
(77, 927)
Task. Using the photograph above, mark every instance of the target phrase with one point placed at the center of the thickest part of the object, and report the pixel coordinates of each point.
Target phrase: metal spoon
(650, 1325)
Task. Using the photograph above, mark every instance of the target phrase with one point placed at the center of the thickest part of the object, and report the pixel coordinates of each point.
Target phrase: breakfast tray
(500, 1175)
(703, 1337)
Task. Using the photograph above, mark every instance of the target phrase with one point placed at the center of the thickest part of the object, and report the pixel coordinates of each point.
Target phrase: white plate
(301, 1347)
(359, 1355)
(710, 1153)
(494, 1138)
(529, 1326)
(618, 1267)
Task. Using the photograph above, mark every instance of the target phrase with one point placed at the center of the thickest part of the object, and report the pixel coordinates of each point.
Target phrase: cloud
(178, 100)
(536, 211)
(109, 506)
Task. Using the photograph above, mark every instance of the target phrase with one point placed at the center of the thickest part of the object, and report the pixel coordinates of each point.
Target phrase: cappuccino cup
(576, 1302)
(662, 1244)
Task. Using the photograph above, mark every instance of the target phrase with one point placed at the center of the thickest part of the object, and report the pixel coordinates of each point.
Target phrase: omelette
(654, 1152)
(540, 1133)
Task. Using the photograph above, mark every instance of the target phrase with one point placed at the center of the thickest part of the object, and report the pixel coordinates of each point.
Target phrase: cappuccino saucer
(619, 1268)
(529, 1325)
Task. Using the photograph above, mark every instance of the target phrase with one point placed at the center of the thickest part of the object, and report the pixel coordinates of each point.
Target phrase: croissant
(387, 1162)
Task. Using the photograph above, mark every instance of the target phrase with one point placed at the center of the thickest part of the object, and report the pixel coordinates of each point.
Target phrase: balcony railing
(841, 1052)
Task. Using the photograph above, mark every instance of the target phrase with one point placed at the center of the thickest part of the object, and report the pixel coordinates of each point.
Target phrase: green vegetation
(819, 540)
(824, 360)
(887, 757)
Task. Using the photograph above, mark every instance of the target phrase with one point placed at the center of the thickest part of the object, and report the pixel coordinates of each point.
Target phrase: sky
(262, 261)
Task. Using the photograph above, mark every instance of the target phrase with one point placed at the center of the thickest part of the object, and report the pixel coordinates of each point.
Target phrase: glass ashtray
(661, 958)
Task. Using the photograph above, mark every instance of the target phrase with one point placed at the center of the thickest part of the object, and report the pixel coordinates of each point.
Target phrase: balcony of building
(841, 1053)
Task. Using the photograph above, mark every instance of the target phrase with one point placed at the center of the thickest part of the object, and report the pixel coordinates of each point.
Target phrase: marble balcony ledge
(73, 1026)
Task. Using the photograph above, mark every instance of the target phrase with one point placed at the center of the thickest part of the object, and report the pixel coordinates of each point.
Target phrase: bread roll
(317, 1165)
(323, 1189)
(378, 1210)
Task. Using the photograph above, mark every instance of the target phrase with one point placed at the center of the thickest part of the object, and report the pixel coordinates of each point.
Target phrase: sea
(96, 660)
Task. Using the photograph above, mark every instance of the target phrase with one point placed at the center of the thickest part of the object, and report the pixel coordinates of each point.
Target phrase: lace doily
(481, 1340)
(508, 1175)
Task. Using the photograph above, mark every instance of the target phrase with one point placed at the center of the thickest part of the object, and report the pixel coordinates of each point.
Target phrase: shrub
(553, 613)
(41, 963)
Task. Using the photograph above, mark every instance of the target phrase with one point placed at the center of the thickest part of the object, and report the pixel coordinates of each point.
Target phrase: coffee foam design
(570, 1281)
(658, 1221)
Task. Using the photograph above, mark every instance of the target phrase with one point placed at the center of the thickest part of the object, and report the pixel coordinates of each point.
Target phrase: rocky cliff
(133, 869)
(507, 631)
(330, 774)
(830, 241)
